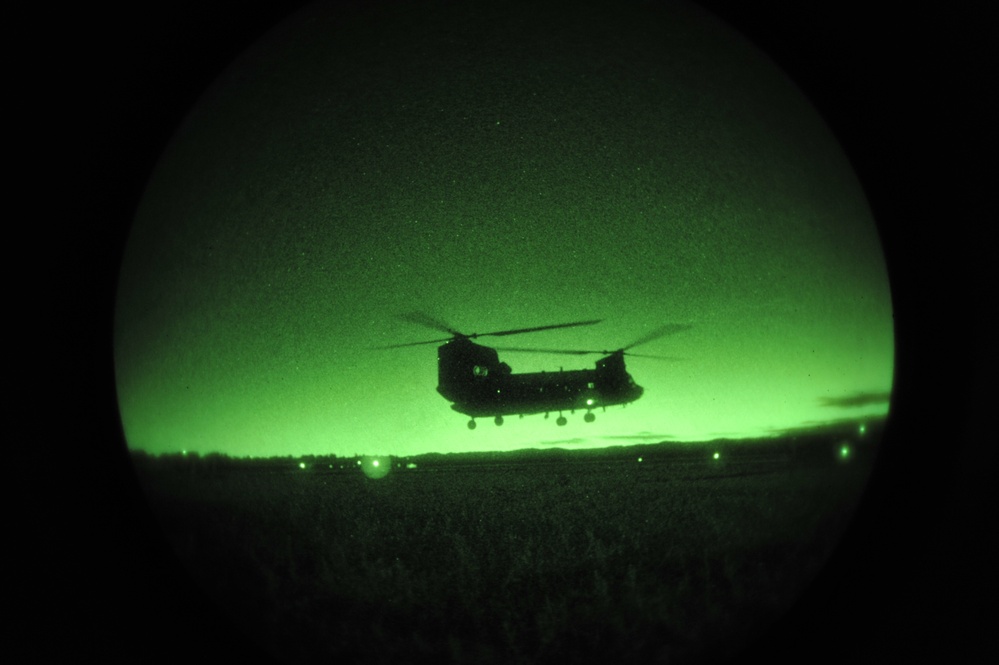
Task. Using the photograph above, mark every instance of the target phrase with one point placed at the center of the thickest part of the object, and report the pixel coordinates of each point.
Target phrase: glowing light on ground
(376, 467)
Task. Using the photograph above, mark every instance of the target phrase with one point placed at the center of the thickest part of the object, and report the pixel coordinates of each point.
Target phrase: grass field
(560, 558)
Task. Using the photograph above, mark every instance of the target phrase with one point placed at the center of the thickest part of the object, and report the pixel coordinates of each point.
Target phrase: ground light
(376, 467)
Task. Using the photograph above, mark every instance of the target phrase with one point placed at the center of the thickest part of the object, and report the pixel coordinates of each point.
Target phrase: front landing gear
(561, 421)
(589, 417)
(498, 420)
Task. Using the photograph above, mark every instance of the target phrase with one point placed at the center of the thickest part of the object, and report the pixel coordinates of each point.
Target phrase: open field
(558, 558)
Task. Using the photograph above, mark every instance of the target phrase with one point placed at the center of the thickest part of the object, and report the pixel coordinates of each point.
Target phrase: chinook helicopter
(472, 377)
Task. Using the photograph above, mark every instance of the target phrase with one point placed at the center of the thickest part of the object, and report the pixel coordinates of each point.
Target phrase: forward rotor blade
(662, 331)
(580, 352)
(399, 346)
(423, 319)
(527, 330)
(427, 321)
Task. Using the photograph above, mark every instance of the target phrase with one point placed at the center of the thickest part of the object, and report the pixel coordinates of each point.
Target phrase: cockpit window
(480, 370)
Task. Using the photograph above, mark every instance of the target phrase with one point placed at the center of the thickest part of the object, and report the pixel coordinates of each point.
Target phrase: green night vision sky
(497, 165)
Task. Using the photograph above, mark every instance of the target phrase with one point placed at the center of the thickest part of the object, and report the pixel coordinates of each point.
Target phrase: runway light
(716, 456)
(844, 452)
(639, 459)
(301, 465)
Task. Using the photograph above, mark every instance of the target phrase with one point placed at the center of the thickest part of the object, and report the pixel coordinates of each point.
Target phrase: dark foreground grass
(605, 560)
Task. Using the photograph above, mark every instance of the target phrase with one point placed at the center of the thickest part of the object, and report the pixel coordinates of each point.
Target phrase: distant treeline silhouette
(815, 443)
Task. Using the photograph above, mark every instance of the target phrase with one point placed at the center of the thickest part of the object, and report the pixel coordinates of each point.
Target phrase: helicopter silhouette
(472, 377)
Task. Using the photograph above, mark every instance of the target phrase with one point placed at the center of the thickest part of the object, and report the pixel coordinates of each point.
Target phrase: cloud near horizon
(561, 442)
(641, 436)
(856, 399)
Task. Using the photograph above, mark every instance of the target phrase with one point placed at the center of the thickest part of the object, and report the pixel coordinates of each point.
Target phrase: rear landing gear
(471, 424)
(561, 421)
(498, 420)
(589, 417)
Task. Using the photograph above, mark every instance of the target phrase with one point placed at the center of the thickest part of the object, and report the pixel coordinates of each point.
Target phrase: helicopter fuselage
(479, 385)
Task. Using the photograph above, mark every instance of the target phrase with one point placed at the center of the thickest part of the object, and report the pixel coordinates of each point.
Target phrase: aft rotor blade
(662, 331)
(527, 330)
(561, 351)
(646, 355)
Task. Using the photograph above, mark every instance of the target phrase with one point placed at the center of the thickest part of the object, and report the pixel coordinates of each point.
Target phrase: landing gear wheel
(471, 424)
(561, 421)
(498, 420)
(589, 417)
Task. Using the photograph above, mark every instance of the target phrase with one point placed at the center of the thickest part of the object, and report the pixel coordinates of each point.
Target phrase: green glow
(374, 468)
(844, 452)
(277, 239)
